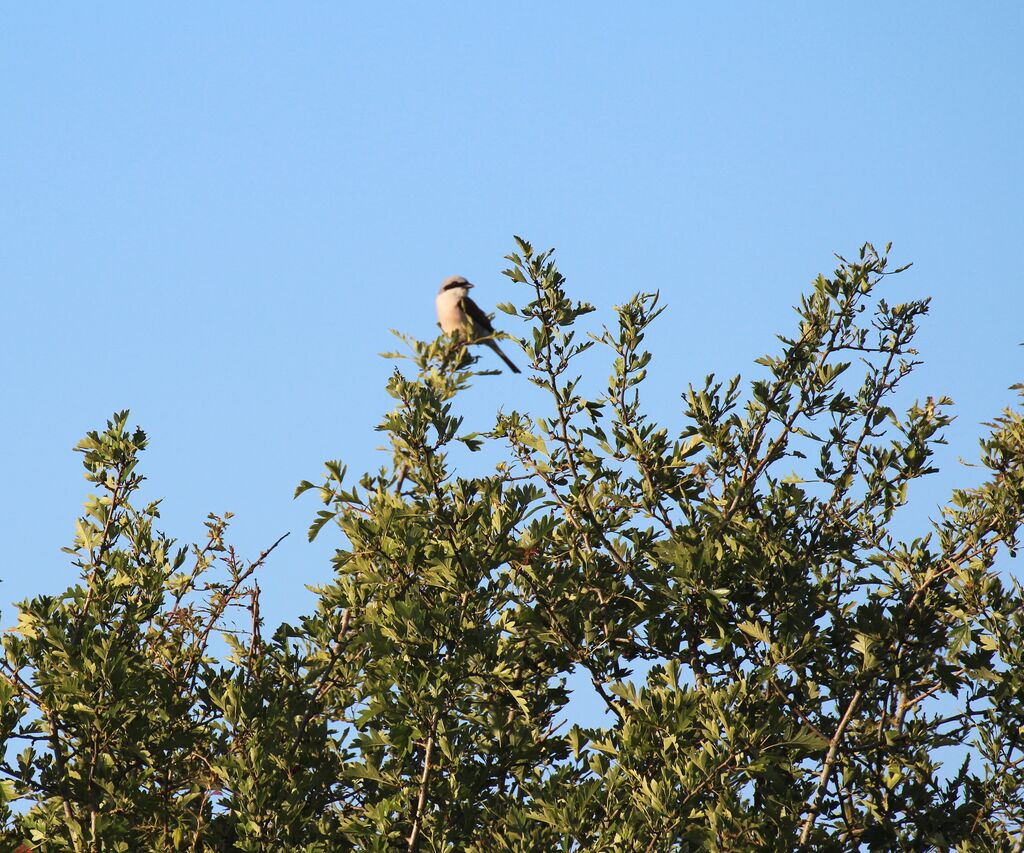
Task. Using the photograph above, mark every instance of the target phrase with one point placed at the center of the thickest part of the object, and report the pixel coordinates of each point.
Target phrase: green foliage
(779, 668)
(133, 738)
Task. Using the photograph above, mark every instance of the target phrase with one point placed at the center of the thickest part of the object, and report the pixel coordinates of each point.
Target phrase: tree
(780, 670)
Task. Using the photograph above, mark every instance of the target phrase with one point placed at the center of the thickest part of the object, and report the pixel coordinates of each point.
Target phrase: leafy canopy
(780, 669)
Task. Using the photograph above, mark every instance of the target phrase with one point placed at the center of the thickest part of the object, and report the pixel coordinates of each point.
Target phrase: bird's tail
(502, 356)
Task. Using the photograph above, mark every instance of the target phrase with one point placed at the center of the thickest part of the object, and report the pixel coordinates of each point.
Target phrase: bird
(456, 312)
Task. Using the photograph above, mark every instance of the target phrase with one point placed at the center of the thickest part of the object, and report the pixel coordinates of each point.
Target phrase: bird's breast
(449, 311)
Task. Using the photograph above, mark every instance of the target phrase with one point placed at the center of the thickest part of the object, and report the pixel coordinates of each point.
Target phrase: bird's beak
(469, 286)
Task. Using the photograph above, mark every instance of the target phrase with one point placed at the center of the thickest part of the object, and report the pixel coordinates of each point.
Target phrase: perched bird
(456, 312)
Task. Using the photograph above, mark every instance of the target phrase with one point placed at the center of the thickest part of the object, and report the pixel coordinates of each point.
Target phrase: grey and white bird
(456, 312)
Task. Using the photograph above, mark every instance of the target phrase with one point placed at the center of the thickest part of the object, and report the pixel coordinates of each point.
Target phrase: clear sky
(213, 213)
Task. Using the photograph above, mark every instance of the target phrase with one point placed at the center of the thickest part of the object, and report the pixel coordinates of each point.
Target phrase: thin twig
(220, 603)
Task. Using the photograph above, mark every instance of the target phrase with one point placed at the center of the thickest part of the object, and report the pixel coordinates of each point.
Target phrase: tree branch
(826, 770)
(421, 800)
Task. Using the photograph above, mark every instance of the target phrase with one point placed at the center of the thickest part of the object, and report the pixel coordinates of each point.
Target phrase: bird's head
(455, 282)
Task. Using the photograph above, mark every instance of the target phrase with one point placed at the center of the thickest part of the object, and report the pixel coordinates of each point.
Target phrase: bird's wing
(479, 318)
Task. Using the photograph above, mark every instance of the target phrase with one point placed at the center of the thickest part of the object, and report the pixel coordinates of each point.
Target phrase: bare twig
(220, 604)
(254, 639)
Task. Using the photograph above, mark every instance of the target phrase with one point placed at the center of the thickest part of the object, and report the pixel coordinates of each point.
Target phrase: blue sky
(212, 215)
